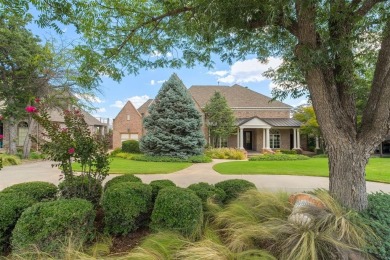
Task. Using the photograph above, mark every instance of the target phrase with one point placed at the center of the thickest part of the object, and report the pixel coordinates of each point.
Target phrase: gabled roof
(128, 104)
(145, 106)
(236, 96)
(274, 122)
(57, 116)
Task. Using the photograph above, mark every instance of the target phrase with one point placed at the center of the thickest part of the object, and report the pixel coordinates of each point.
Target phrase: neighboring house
(127, 125)
(95, 126)
(262, 124)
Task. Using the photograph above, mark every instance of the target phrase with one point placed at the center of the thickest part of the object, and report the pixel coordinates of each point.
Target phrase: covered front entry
(260, 135)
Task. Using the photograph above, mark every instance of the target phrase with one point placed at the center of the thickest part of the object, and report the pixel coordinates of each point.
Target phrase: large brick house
(94, 125)
(262, 124)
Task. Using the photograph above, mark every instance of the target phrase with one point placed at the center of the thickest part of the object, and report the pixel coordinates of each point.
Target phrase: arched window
(274, 136)
(22, 133)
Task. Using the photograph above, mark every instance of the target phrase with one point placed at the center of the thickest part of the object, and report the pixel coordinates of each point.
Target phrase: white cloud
(219, 73)
(118, 103)
(89, 98)
(152, 82)
(247, 71)
(138, 100)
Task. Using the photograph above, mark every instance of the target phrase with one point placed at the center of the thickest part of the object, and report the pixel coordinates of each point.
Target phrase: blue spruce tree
(173, 126)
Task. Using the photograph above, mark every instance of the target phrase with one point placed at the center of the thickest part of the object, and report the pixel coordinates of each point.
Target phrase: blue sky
(145, 85)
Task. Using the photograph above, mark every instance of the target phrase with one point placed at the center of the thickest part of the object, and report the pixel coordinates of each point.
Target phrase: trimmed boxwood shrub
(11, 207)
(158, 185)
(126, 207)
(120, 179)
(285, 151)
(234, 187)
(47, 225)
(38, 190)
(206, 191)
(130, 146)
(180, 210)
(377, 216)
(82, 187)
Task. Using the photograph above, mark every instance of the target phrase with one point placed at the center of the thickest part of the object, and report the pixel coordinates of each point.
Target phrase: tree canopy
(327, 48)
(220, 119)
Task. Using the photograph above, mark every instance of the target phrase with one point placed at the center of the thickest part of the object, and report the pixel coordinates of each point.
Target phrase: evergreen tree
(173, 126)
(220, 117)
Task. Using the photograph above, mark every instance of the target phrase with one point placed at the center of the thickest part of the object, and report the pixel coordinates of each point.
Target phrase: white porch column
(268, 139)
(295, 138)
(263, 138)
(241, 138)
(238, 138)
(317, 143)
(298, 139)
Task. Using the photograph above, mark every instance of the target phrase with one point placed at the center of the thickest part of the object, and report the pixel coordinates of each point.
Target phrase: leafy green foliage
(36, 155)
(126, 207)
(234, 187)
(12, 206)
(130, 146)
(377, 216)
(207, 191)
(180, 210)
(285, 151)
(116, 151)
(279, 157)
(10, 159)
(83, 187)
(221, 121)
(120, 179)
(37, 190)
(173, 125)
(225, 153)
(158, 185)
(307, 116)
(47, 225)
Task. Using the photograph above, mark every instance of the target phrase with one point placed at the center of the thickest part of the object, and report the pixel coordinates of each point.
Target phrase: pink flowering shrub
(72, 143)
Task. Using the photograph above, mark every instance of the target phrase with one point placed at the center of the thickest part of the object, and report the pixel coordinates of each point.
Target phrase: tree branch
(366, 7)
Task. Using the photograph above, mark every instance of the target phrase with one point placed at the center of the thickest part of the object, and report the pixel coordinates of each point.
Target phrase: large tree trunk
(12, 128)
(347, 183)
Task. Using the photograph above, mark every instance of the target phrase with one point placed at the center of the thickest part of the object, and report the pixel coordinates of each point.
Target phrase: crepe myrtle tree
(327, 48)
(173, 126)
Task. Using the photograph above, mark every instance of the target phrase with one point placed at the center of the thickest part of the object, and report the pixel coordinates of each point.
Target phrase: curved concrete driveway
(203, 172)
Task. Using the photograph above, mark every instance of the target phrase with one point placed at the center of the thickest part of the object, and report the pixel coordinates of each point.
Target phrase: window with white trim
(274, 138)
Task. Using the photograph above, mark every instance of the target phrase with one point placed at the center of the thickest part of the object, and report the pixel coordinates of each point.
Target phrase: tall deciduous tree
(220, 118)
(173, 126)
(323, 44)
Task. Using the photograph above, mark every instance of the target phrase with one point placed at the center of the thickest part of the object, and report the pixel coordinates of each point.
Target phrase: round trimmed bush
(158, 185)
(82, 187)
(178, 210)
(47, 225)
(122, 178)
(38, 190)
(11, 207)
(206, 191)
(234, 187)
(130, 146)
(126, 207)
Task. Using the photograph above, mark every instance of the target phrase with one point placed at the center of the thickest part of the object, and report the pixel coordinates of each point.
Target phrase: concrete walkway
(203, 172)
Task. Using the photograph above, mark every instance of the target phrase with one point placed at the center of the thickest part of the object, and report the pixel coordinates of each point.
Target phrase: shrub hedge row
(82, 187)
(279, 157)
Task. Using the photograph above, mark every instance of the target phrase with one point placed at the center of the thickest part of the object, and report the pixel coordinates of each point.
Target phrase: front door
(248, 140)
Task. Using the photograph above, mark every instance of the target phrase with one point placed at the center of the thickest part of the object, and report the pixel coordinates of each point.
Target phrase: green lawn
(378, 169)
(119, 165)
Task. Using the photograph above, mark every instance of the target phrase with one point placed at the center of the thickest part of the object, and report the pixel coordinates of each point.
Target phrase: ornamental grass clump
(225, 153)
(259, 220)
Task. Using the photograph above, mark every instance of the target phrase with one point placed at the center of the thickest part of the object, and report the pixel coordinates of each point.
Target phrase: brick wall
(122, 126)
(262, 113)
